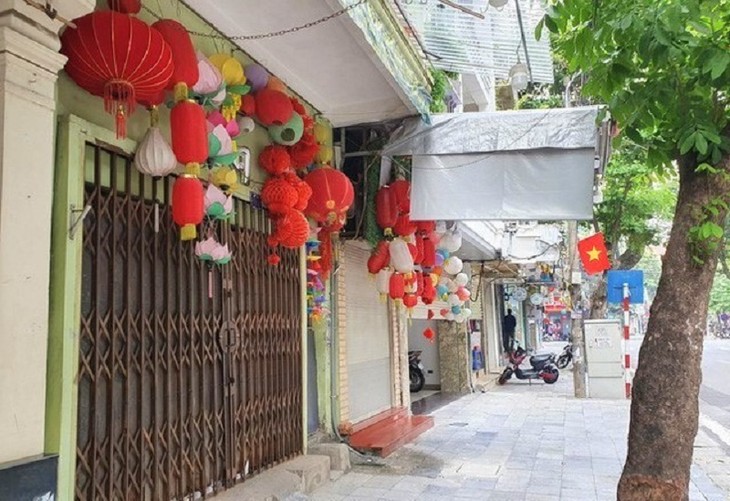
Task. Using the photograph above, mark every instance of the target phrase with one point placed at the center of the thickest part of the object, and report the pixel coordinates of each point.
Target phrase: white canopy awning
(508, 165)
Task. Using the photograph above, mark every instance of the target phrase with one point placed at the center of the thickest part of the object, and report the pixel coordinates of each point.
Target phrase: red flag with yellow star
(593, 254)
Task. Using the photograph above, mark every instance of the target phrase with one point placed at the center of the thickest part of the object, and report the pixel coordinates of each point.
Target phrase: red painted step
(392, 431)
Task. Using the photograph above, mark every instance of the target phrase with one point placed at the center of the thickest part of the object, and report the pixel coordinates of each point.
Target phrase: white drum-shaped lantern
(461, 279)
(400, 256)
(154, 156)
(246, 125)
(382, 281)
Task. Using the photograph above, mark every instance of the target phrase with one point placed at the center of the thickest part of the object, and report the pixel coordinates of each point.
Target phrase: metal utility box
(604, 359)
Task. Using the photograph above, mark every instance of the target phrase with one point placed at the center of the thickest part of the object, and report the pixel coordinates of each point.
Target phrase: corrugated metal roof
(457, 41)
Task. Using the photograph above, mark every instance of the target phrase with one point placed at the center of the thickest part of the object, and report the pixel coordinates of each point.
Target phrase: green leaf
(701, 143)
(718, 64)
(687, 143)
(538, 28)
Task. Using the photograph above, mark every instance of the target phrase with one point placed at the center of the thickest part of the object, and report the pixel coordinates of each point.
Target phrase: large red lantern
(185, 73)
(429, 290)
(187, 205)
(189, 134)
(386, 209)
(119, 58)
(402, 190)
(332, 195)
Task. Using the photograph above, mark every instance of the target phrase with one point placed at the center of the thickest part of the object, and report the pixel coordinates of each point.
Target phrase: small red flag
(593, 254)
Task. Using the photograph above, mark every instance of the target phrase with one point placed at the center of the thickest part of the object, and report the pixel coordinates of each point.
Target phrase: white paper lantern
(246, 125)
(451, 241)
(453, 265)
(400, 256)
(382, 281)
(454, 300)
(451, 285)
(154, 156)
(461, 279)
(467, 312)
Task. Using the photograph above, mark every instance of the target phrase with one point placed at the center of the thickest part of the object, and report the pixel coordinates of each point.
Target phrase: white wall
(430, 351)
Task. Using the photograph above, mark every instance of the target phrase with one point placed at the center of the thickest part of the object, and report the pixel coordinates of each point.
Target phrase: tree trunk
(665, 410)
(599, 299)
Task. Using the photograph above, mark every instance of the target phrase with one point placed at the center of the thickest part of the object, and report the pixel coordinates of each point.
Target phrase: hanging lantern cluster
(414, 262)
(332, 196)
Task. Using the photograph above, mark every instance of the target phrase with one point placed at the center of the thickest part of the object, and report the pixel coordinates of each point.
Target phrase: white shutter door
(368, 338)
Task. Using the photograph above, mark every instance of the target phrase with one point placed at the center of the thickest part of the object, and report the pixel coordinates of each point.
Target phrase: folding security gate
(189, 377)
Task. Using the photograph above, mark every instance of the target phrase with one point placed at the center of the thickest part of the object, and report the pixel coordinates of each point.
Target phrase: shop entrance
(190, 378)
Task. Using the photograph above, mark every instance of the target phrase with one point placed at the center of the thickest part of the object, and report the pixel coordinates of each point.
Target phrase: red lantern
(429, 291)
(125, 6)
(303, 152)
(410, 301)
(279, 196)
(396, 290)
(292, 230)
(404, 226)
(379, 258)
(429, 253)
(119, 58)
(426, 227)
(386, 210)
(418, 258)
(332, 195)
(187, 205)
(304, 192)
(184, 58)
(420, 283)
(402, 190)
(429, 334)
(248, 105)
(189, 133)
(273, 107)
(275, 160)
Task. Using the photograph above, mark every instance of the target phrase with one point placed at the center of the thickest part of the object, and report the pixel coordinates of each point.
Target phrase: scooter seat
(540, 359)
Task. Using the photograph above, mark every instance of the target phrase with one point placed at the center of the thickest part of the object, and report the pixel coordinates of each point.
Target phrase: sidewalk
(515, 442)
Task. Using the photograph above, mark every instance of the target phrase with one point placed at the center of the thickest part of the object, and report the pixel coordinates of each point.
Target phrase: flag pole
(577, 336)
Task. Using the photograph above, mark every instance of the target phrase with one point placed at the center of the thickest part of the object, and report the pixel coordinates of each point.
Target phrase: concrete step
(339, 455)
(313, 470)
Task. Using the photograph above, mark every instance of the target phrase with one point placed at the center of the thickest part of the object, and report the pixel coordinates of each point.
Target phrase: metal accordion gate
(190, 378)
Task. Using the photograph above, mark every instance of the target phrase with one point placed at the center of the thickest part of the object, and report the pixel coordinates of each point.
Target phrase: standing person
(509, 323)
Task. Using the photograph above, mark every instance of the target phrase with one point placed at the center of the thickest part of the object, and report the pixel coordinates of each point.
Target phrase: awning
(507, 165)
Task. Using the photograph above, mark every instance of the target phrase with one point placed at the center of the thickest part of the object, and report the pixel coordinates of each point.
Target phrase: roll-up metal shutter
(368, 338)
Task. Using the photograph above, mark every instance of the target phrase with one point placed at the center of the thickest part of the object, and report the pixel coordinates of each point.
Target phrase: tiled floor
(517, 442)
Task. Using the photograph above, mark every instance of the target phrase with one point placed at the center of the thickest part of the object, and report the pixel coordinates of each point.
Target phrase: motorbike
(565, 357)
(542, 367)
(415, 371)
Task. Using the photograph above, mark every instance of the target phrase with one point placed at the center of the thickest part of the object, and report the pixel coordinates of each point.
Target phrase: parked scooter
(543, 367)
(415, 371)
(565, 357)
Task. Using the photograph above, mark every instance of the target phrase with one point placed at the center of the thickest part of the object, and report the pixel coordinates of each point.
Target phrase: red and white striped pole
(627, 355)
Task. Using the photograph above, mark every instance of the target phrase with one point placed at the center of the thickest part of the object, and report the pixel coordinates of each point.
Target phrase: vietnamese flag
(593, 254)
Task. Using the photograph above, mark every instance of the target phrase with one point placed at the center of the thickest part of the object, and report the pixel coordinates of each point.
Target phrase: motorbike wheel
(505, 376)
(563, 361)
(550, 375)
(418, 380)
